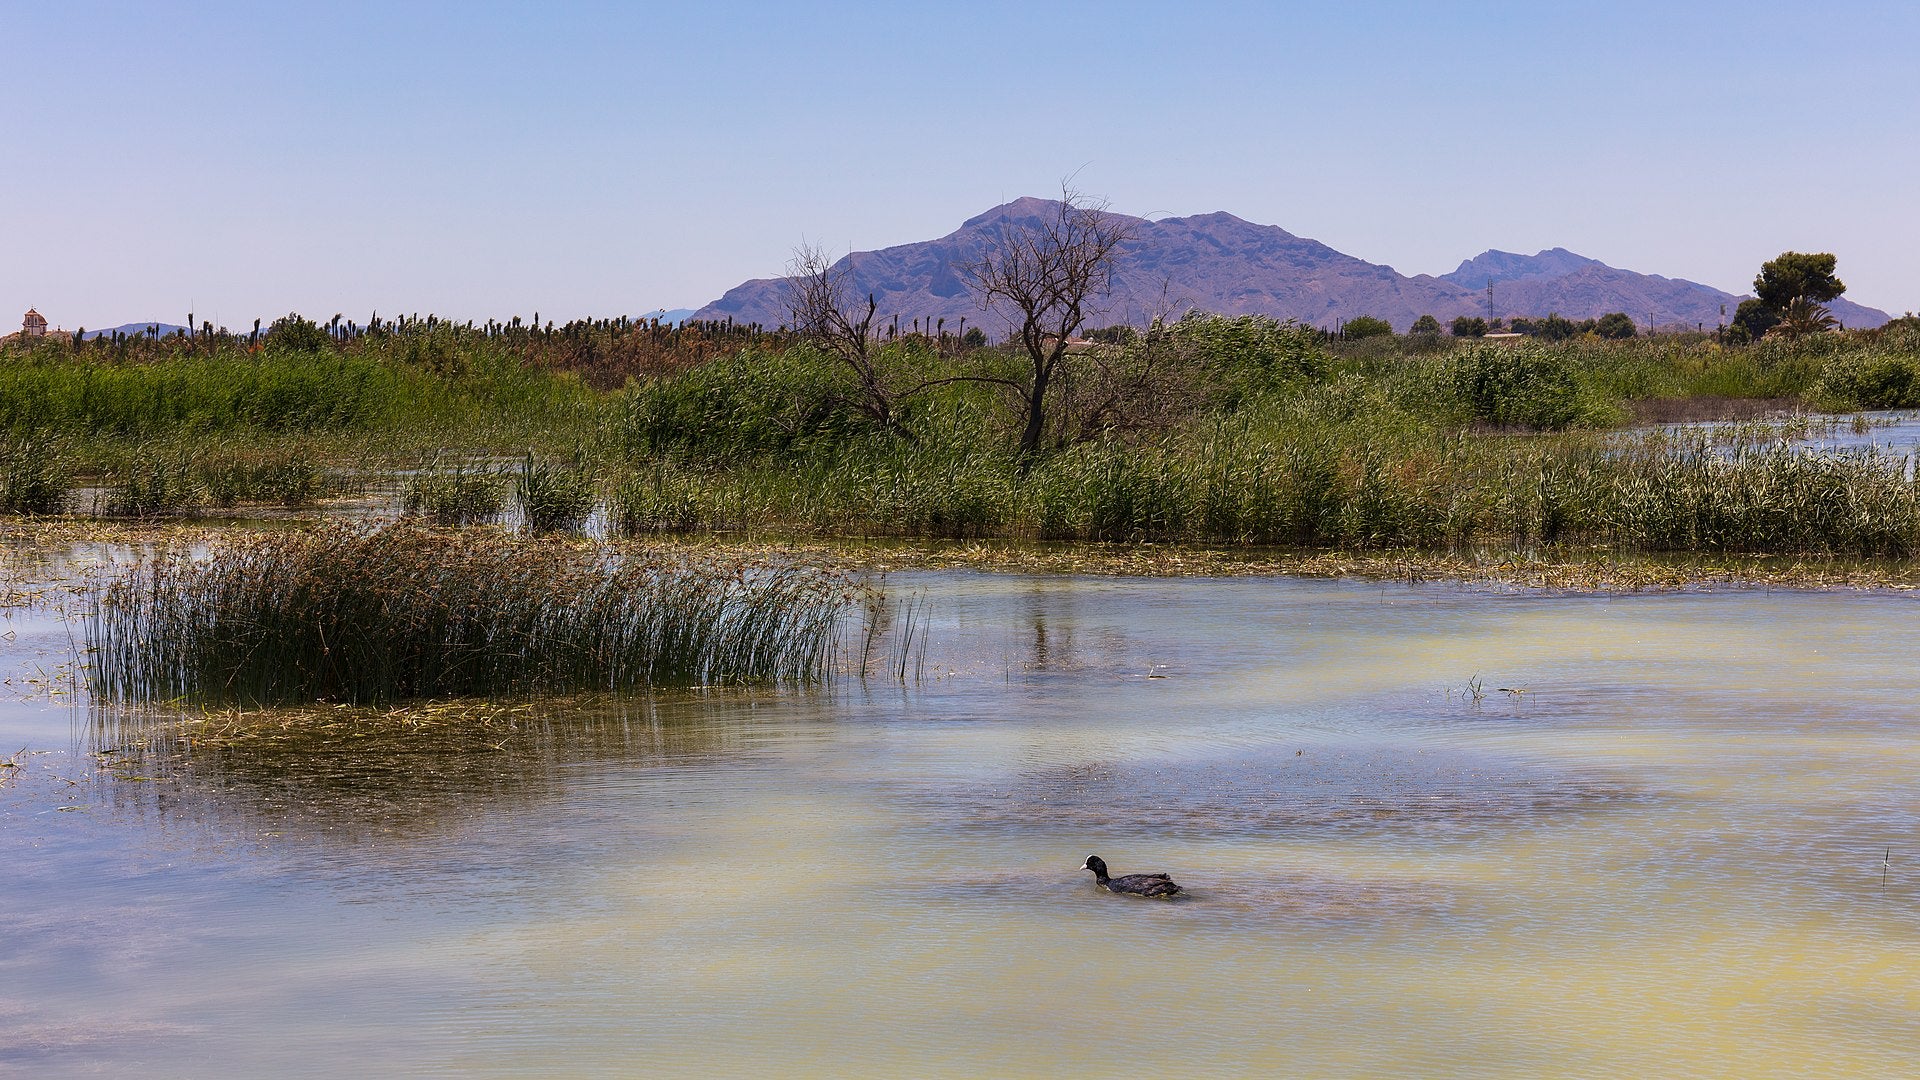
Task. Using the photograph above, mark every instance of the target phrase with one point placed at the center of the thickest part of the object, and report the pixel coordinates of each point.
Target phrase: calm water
(1665, 858)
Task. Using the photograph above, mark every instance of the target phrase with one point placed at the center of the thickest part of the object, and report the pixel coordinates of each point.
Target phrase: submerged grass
(367, 616)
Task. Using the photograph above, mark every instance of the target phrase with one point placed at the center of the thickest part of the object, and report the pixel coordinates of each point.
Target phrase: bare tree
(827, 317)
(1044, 275)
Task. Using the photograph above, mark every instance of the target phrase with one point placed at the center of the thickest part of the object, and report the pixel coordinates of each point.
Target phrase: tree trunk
(1036, 416)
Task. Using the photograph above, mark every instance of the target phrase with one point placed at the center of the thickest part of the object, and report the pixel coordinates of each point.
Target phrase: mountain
(1218, 262)
(1494, 267)
(135, 329)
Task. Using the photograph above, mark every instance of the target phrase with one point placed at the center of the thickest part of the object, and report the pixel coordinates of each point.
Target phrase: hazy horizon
(613, 159)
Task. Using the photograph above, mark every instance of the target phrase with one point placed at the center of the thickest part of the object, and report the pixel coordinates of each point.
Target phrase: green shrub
(1365, 326)
(1519, 386)
(747, 404)
(1250, 345)
(294, 333)
(1876, 379)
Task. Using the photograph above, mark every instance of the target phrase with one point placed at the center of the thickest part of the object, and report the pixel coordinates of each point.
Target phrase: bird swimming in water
(1138, 884)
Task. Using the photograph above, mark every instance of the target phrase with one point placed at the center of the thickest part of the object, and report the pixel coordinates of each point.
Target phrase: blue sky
(482, 160)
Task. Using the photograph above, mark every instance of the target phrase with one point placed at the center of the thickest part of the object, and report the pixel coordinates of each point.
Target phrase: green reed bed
(153, 484)
(1358, 486)
(357, 615)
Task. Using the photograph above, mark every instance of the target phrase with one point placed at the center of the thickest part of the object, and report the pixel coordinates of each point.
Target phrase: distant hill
(131, 329)
(1494, 267)
(1218, 262)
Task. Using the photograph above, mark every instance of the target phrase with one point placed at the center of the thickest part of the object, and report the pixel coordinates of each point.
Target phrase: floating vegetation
(378, 615)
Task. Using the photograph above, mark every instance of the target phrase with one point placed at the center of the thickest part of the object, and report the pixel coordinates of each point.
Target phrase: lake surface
(1690, 848)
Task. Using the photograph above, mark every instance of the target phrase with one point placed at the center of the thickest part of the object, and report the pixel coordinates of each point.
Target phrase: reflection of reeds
(367, 616)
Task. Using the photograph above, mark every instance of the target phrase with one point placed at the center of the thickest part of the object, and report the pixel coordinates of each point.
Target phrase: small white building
(35, 325)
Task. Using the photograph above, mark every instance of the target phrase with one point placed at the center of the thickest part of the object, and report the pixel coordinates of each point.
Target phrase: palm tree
(1804, 315)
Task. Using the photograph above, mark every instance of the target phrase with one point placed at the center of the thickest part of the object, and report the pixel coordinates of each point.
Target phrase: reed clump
(35, 477)
(555, 496)
(403, 612)
(455, 495)
(153, 484)
(280, 476)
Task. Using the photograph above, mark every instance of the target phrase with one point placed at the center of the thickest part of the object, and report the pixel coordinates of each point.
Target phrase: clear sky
(480, 160)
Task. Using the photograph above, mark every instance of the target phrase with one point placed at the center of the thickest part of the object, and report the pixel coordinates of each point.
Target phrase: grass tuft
(369, 616)
(554, 496)
(455, 496)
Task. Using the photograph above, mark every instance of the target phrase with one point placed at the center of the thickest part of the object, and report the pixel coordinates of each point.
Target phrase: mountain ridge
(1223, 263)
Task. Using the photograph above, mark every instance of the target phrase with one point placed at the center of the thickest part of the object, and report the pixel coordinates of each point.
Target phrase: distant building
(35, 325)
(1505, 339)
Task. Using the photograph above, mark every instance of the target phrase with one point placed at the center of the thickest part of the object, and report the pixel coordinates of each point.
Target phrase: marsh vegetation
(1207, 429)
(360, 615)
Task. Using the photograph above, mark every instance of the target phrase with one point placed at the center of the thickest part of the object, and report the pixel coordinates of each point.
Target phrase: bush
(747, 404)
(1615, 326)
(1240, 344)
(296, 334)
(1871, 380)
(1365, 326)
(1520, 386)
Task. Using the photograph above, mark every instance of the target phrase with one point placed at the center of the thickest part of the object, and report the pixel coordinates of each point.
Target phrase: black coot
(1137, 884)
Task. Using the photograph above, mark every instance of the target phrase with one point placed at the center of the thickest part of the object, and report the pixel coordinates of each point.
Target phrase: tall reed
(358, 615)
(34, 476)
(454, 496)
(555, 496)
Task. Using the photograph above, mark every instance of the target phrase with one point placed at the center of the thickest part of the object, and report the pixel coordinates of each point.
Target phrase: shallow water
(1665, 857)
(1889, 432)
